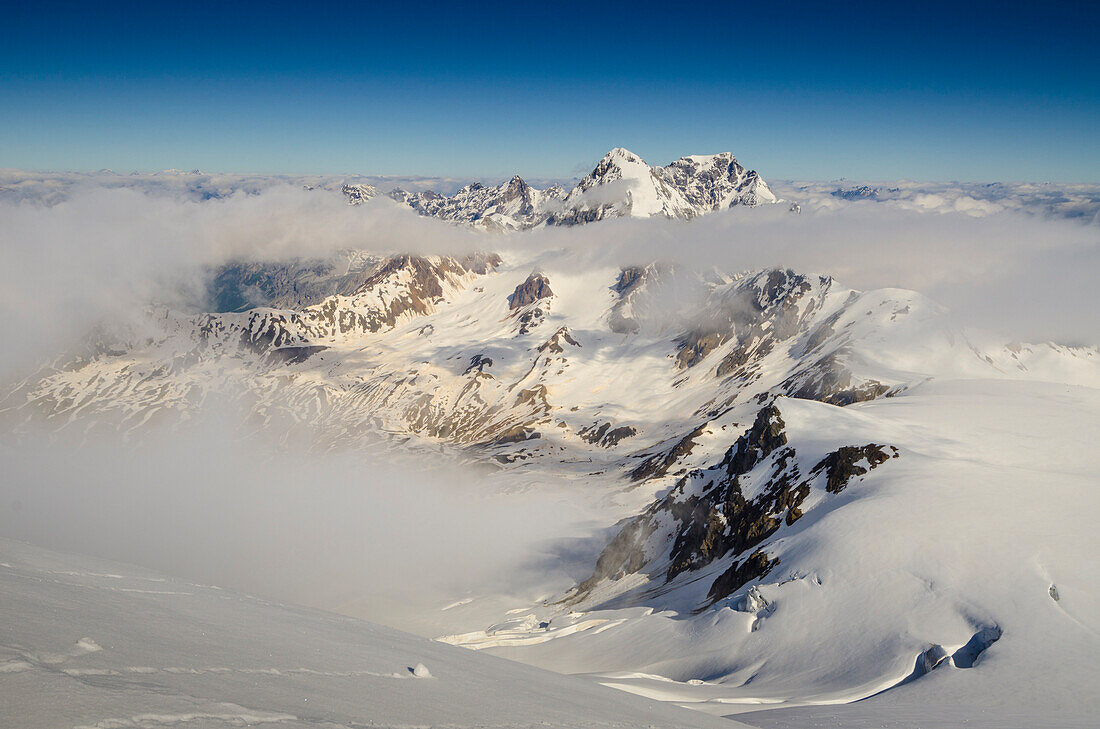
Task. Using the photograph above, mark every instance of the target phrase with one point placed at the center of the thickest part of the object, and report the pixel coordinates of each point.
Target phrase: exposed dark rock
(821, 333)
(293, 355)
(765, 435)
(475, 202)
(479, 362)
(631, 286)
(357, 194)
(425, 275)
(629, 278)
(606, 436)
(535, 396)
(265, 331)
(863, 192)
(756, 314)
(695, 345)
(720, 519)
(657, 465)
(754, 566)
(842, 465)
(706, 515)
(829, 380)
(517, 434)
(622, 556)
(535, 288)
(556, 344)
(530, 319)
(578, 216)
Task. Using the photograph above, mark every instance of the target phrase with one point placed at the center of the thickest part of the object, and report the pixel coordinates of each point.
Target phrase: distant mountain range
(621, 185)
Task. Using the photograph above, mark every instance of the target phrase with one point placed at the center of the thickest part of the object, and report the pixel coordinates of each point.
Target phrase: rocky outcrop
(530, 302)
(829, 381)
(707, 516)
(634, 286)
(389, 291)
(756, 313)
(606, 436)
(658, 464)
(535, 288)
(557, 343)
(511, 205)
(718, 181)
(842, 465)
(359, 194)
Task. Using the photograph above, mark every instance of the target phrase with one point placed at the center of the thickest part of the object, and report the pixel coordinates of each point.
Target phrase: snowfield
(92, 644)
(952, 587)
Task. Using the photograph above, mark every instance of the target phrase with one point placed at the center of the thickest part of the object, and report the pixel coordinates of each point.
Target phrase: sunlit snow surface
(86, 643)
(986, 516)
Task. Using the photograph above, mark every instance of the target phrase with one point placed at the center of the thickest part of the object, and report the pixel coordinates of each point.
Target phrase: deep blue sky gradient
(929, 90)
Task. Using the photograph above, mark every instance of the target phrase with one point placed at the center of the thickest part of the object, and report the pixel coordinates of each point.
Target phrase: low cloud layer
(1022, 276)
(103, 253)
(365, 533)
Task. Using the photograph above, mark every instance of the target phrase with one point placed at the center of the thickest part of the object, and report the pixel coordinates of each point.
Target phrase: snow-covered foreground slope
(954, 585)
(87, 643)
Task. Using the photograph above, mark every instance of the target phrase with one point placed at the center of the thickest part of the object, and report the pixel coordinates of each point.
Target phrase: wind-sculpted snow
(189, 654)
(895, 556)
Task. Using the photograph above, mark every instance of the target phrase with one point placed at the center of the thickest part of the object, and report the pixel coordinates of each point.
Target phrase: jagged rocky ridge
(473, 349)
(729, 510)
(621, 185)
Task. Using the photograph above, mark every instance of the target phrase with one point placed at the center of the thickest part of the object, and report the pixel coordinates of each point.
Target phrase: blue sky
(931, 91)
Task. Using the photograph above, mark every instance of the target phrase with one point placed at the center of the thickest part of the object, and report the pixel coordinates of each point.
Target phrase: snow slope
(88, 643)
(967, 559)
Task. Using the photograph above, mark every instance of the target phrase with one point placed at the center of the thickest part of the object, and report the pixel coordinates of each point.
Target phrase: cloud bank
(364, 533)
(103, 253)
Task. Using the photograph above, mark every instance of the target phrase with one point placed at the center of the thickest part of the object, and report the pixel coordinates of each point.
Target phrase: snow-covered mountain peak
(359, 193)
(618, 163)
(718, 181)
(622, 184)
